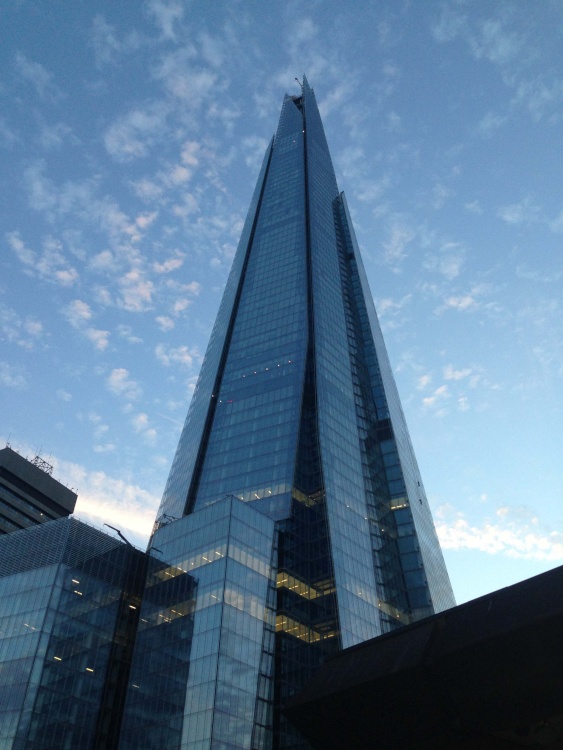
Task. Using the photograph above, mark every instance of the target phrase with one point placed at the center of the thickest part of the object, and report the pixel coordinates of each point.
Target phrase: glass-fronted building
(295, 437)
(70, 599)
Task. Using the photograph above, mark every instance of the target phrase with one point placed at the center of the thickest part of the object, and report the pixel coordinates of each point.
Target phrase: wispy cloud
(12, 377)
(524, 212)
(39, 77)
(507, 534)
(447, 261)
(450, 373)
(79, 313)
(26, 332)
(440, 395)
(120, 384)
(133, 134)
(170, 264)
(180, 355)
(140, 423)
(400, 235)
(167, 14)
(136, 291)
(108, 47)
(50, 264)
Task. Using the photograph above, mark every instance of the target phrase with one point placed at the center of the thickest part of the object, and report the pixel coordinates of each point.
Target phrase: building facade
(28, 493)
(70, 598)
(294, 464)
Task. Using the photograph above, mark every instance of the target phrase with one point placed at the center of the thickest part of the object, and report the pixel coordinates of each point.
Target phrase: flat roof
(485, 674)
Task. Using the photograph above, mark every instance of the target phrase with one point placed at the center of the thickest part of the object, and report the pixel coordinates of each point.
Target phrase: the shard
(294, 499)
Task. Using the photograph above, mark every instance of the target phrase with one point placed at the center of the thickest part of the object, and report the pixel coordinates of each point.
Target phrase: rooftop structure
(28, 493)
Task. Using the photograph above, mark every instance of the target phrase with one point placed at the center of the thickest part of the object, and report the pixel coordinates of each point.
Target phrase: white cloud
(50, 265)
(451, 374)
(108, 48)
(192, 85)
(254, 147)
(494, 42)
(136, 291)
(166, 14)
(133, 134)
(171, 264)
(11, 377)
(140, 424)
(126, 332)
(448, 261)
(180, 355)
(77, 313)
(523, 212)
(463, 403)
(53, 136)
(450, 25)
(462, 303)
(103, 447)
(39, 77)
(180, 305)
(120, 384)
(489, 123)
(440, 394)
(388, 305)
(423, 381)
(513, 537)
(473, 207)
(24, 254)
(24, 332)
(104, 262)
(99, 338)
(104, 499)
(400, 236)
(165, 323)
(439, 194)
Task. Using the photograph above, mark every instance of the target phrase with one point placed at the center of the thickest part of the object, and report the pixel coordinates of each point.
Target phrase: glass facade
(296, 444)
(293, 524)
(213, 687)
(69, 604)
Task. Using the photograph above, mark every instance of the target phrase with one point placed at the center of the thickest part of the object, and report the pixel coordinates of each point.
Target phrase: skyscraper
(294, 498)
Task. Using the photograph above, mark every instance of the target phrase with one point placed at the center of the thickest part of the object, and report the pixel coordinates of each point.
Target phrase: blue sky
(130, 139)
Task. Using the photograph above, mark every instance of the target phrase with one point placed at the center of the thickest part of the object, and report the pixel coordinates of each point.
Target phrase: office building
(28, 493)
(294, 497)
(70, 599)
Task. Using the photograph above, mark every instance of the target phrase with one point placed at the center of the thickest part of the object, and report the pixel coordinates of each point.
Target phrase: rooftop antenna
(118, 532)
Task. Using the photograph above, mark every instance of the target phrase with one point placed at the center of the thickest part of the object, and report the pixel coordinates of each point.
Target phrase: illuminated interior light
(58, 658)
(89, 669)
(75, 581)
(132, 606)
(78, 592)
